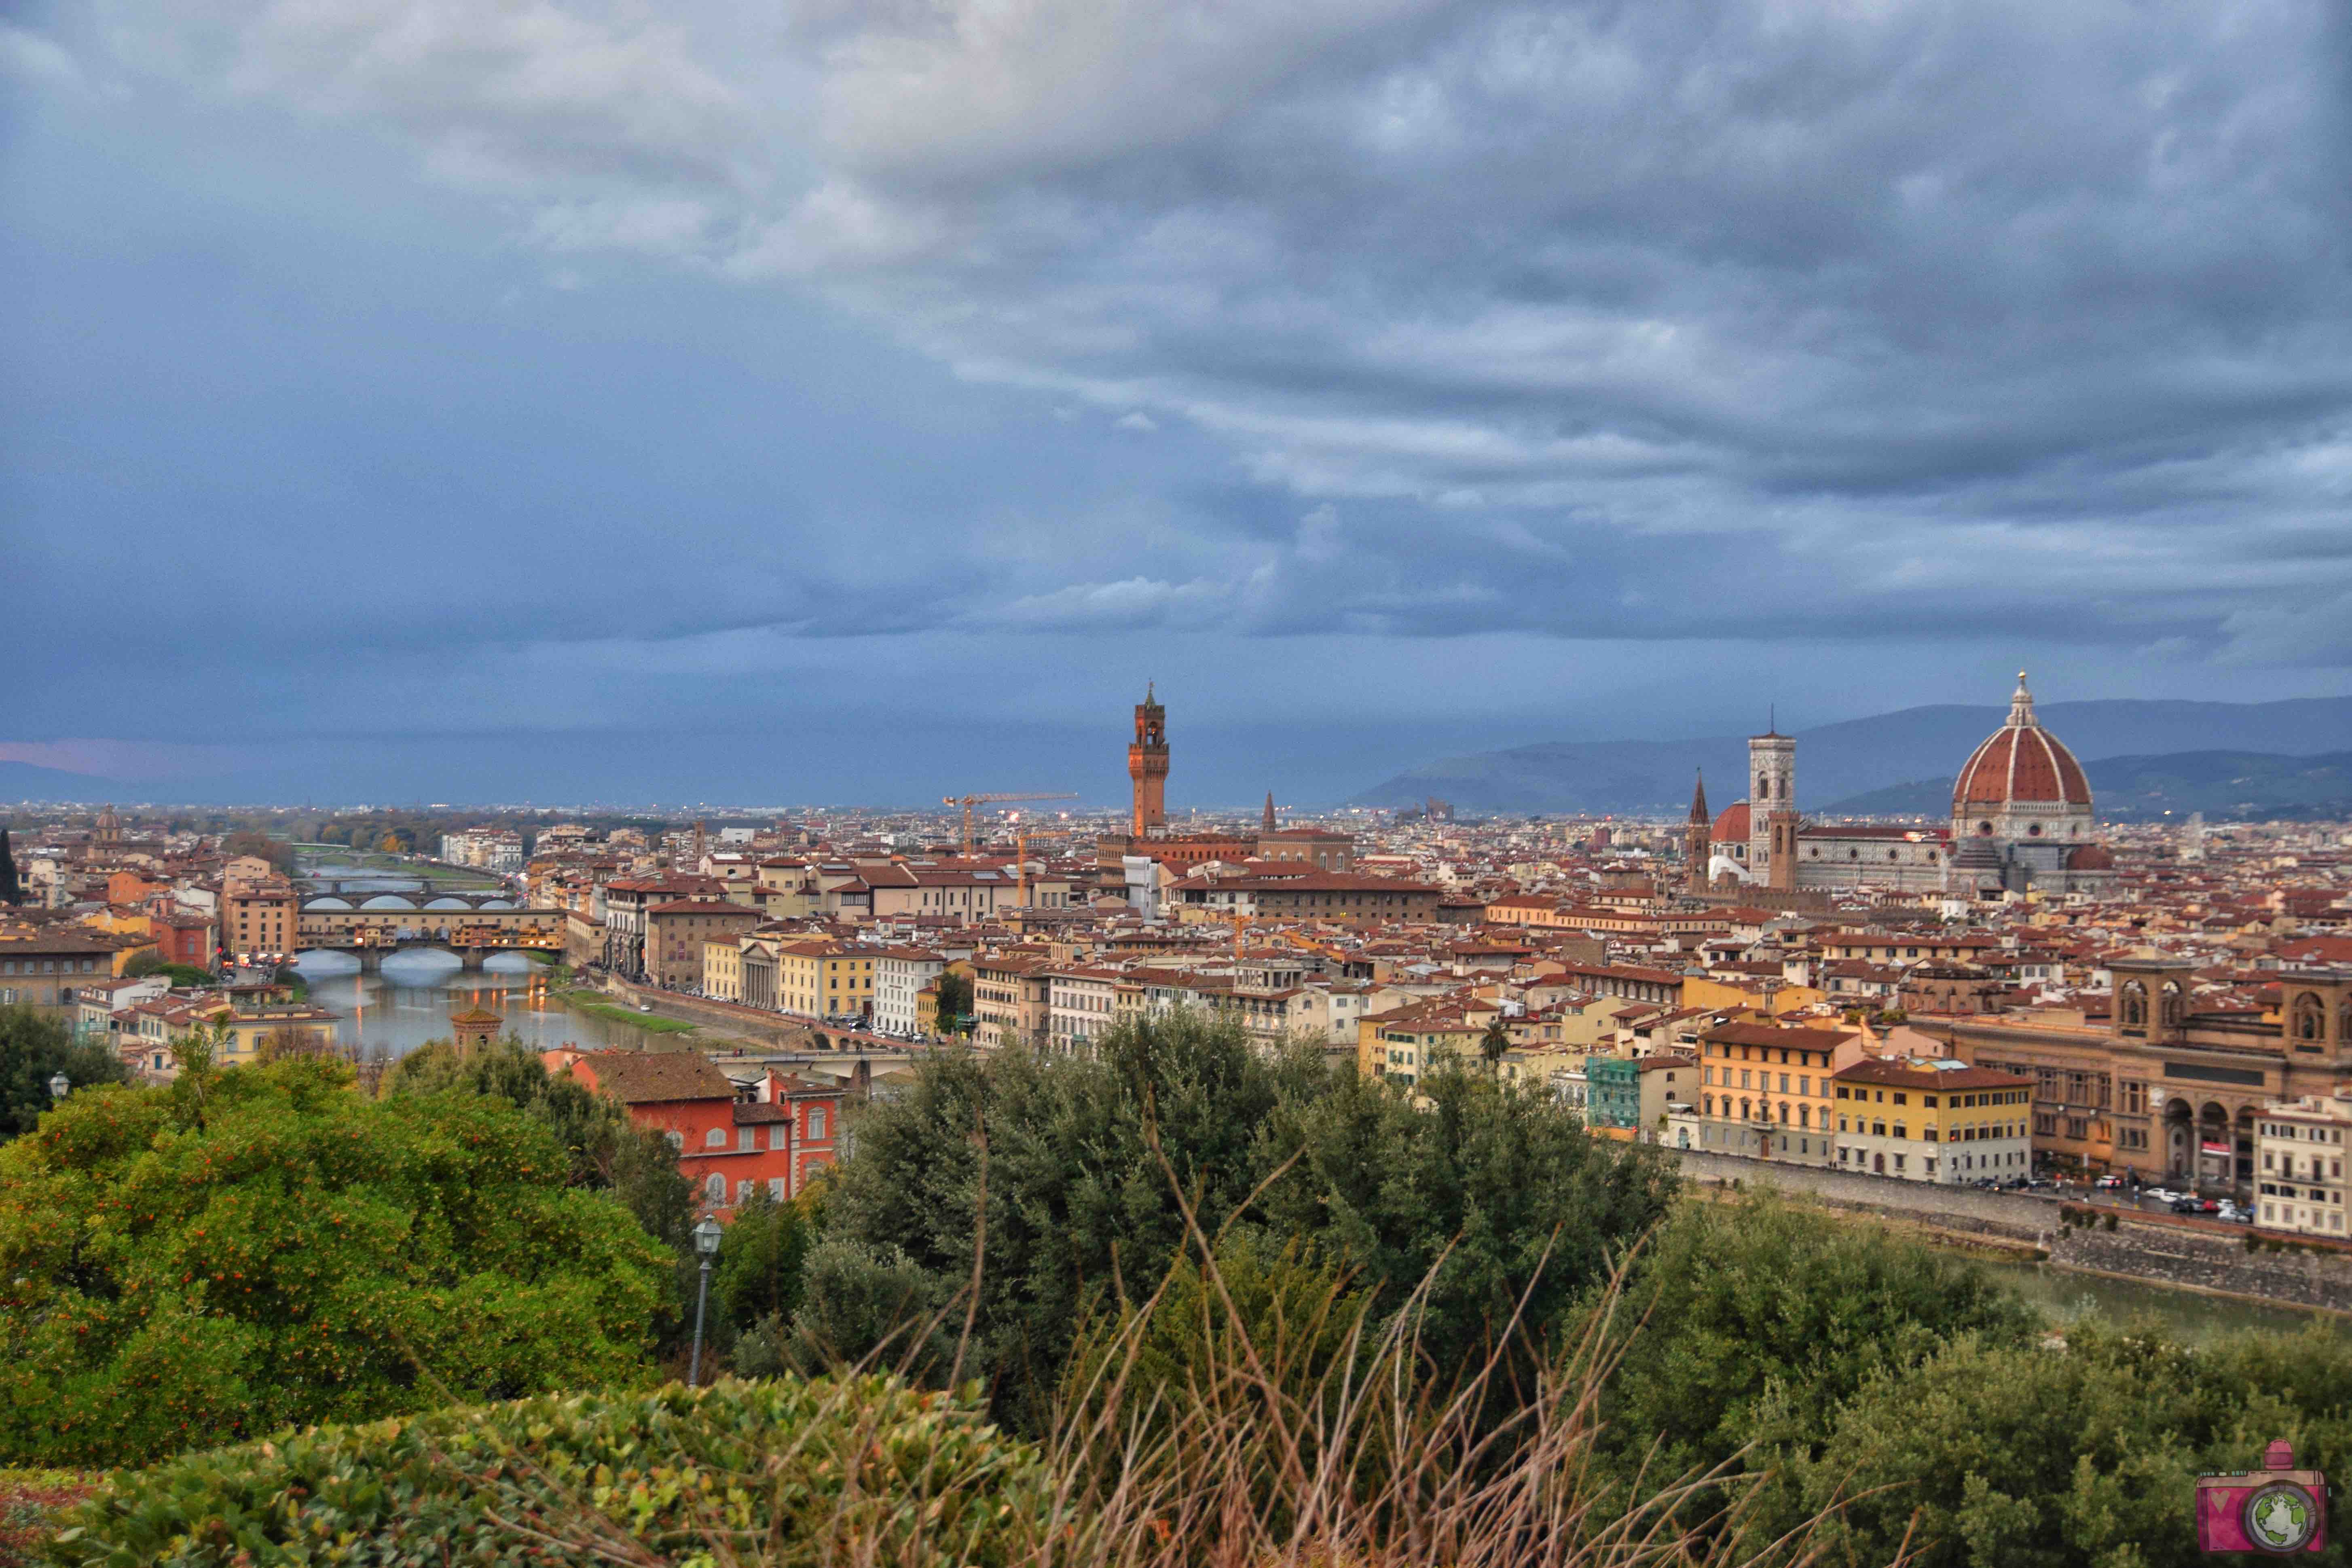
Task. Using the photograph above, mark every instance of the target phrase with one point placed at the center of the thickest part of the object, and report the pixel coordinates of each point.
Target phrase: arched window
(714, 1190)
(2131, 1005)
(2169, 1005)
(2310, 1017)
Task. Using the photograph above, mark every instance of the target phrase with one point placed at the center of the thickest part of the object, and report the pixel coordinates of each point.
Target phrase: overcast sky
(859, 399)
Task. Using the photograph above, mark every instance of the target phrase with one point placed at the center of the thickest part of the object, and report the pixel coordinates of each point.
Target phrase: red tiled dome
(1732, 826)
(2091, 858)
(2021, 761)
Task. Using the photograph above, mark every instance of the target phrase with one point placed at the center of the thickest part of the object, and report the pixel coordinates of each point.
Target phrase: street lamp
(705, 1242)
(59, 1087)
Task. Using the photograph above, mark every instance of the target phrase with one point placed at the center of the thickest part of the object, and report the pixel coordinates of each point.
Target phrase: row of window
(746, 1138)
(1981, 1132)
(1959, 1101)
(2316, 1194)
(2281, 1213)
(49, 966)
(2291, 1130)
(1804, 1080)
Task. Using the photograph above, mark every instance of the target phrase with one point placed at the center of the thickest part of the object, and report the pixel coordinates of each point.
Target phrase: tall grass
(1292, 1428)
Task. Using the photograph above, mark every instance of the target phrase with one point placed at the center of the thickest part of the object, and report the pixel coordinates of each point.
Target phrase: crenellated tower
(1147, 764)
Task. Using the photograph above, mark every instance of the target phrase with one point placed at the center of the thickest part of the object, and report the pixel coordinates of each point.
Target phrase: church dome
(2091, 858)
(2018, 763)
(1732, 826)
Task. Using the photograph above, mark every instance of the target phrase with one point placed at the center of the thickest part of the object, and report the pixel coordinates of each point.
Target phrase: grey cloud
(1661, 321)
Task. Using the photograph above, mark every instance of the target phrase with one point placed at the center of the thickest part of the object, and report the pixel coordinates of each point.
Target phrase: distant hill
(22, 781)
(2224, 785)
(1838, 761)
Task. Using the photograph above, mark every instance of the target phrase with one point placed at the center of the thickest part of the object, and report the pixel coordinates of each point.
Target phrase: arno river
(410, 1002)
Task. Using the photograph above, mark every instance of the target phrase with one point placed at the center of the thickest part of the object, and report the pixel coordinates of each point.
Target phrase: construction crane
(968, 801)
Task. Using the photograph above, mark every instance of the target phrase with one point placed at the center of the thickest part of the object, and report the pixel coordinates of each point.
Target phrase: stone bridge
(468, 924)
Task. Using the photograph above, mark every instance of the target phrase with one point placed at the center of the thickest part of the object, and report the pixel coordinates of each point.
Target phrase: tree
(1495, 1043)
(605, 1150)
(12, 891)
(2018, 1454)
(34, 1048)
(954, 1002)
(1763, 1317)
(1492, 1190)
(180, 1270)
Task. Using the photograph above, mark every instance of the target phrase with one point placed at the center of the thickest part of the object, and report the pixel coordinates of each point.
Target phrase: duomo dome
(2021, 783)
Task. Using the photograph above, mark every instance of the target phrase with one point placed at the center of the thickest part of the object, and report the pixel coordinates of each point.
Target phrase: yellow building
(296, 1025)
(1765, 1091)
(1405, 1044)
(722, 968)
(822, 977)
(1933, 1120)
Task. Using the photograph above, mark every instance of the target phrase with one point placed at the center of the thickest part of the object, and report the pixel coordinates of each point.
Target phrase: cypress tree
(10, 891)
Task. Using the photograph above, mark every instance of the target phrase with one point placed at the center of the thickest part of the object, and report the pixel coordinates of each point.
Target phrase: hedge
(784, 1472)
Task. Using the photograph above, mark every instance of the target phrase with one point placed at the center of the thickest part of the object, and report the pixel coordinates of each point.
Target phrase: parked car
(2159, 1194)
(2228, 1209)
(2109, 1183)
(2188, 1206)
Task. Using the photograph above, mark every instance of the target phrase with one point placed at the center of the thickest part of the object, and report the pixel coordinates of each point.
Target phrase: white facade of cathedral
(2021, 818)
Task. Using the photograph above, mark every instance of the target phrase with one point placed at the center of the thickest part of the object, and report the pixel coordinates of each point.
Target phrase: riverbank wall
(2187, 1254)
(2195, 1261)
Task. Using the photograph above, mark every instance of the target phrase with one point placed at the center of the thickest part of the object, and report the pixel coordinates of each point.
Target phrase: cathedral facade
(2021, 820)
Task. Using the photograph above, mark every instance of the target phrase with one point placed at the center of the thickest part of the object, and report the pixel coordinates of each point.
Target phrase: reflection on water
(410, 1002)
(2183, 1315)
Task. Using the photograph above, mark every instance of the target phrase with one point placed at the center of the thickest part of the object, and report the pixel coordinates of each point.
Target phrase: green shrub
(259, 1248)
(780, 1473)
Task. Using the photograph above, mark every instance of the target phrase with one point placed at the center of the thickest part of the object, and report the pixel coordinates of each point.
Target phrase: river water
(2063, 1296)
(393, 1013)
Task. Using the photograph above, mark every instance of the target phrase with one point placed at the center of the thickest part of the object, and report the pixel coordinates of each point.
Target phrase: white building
(900, 973)
(2299, 1166)
(1081, 1005)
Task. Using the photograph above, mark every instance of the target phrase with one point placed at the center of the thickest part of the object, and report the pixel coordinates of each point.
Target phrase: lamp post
(705, 1242)
(59, 1087)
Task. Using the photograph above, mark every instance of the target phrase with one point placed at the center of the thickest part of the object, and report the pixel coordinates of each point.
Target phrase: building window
(715, 1139)
(714, 1190)
(816, 1122)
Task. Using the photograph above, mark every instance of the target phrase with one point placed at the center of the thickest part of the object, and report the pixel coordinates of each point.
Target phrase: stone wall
(2169, 1256)
(2160, 1253)
(2019, 1214)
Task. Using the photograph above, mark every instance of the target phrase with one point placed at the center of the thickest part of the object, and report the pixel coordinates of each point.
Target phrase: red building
(185, 939)
(773, 1132)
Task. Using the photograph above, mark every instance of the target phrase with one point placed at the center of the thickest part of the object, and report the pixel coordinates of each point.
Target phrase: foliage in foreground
(35, 1047)
(791, 1471)
(1088, 1167)
(33, 1506)
(260, 1247)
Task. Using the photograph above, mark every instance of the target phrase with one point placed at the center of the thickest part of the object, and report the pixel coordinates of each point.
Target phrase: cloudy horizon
(864, 395)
